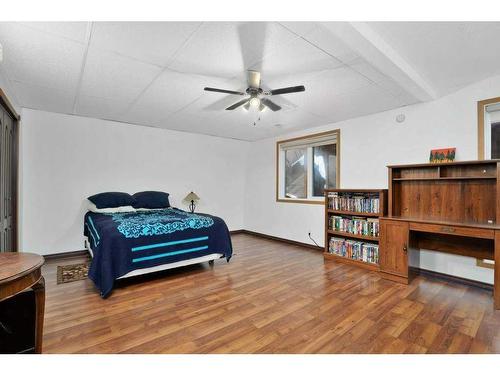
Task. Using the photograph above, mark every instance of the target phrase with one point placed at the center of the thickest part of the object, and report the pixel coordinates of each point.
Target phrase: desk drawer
(453, 230)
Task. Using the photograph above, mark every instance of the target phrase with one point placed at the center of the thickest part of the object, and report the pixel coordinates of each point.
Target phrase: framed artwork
(442, 155)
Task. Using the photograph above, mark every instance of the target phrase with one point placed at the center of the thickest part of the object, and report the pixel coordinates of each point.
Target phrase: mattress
(132, 243)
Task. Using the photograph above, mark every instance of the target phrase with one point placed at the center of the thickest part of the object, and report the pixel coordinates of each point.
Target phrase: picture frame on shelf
(442, 155)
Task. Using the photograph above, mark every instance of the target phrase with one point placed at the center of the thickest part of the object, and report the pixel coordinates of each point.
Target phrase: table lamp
(191, 199)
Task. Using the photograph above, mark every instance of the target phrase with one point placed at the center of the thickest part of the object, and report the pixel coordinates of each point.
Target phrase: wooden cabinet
(18, 273)
(452, 208)
(394, 238)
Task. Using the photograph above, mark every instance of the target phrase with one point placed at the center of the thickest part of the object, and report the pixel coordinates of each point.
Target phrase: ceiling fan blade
(224, 91)
(287, 90)
(236, 105)
(270, 104)
(253, 79)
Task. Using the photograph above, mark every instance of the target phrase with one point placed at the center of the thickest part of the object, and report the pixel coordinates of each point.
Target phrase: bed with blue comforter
(127, 241)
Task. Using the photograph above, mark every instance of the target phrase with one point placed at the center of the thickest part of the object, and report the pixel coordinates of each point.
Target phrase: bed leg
(211, 263)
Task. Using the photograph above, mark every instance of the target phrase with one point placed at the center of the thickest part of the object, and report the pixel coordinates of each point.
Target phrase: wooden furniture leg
(496, 279)
(39, 289)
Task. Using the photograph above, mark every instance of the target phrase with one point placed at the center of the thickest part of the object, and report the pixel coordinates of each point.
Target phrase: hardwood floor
(271, 298)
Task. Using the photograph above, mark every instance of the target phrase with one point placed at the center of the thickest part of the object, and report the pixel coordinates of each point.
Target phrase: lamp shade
(191, 197)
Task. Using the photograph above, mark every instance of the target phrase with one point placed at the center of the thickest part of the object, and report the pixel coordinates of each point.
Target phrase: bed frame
(206, 258)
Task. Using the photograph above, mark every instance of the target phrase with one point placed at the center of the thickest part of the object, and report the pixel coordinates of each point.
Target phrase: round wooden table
(18, 272)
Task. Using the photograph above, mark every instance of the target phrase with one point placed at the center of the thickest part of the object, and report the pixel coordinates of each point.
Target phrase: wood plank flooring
(271, 298)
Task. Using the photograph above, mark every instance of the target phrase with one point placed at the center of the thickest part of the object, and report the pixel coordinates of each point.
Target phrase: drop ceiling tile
(320, 88)
(403, 97)
(231, 124)
(225, 49)
(296, 57)
(211, 104)
(76, 31)
(112, 76)
(40, 59)
(42, 98)
(361, 102)
(324, 39)
(172, 91)
(361, 66)
(104, 108)
(292, 119)
(153, 42)
(299, 27)
(144, 115)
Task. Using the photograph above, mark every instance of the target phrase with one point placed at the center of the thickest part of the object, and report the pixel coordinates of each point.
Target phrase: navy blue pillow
(112, 199)
(151, 199)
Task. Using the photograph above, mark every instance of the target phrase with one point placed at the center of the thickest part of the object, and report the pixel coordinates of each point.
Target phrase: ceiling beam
(368, 44)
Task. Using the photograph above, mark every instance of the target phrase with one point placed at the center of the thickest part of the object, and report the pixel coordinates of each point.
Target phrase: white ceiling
(153, 73)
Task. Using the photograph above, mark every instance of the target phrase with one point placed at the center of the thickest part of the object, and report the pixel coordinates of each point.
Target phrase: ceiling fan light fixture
(247, 106)
(255, 102)
(262, 107)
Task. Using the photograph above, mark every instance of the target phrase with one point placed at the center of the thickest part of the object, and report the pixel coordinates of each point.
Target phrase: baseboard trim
(237, 231)
(451, 278)
(285, 240)
(69, 254)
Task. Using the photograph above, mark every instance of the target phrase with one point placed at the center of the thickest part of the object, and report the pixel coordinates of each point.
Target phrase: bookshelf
(352, 225)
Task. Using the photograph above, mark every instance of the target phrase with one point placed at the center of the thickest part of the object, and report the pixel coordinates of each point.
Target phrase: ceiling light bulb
(255, 102)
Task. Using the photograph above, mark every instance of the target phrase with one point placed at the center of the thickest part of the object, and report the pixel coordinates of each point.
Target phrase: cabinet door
(394, 236)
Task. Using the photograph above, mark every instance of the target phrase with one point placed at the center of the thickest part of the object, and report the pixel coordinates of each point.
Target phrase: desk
(21, 271)
(397, 234)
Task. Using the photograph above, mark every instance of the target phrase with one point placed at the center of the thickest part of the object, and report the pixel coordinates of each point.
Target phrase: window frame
(280, 171)
(481, 109)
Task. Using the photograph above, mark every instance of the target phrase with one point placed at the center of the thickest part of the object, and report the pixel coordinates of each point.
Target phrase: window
(296, 173)
(306, 166)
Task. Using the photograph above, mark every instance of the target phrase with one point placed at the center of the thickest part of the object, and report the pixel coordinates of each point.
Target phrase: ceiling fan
(257, 97)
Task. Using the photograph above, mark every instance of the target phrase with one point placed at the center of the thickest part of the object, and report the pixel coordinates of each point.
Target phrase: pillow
(112, 199)
(92, 207)
(151, 199)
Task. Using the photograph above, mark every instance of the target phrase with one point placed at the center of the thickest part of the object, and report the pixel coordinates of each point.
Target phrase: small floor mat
(72, 272)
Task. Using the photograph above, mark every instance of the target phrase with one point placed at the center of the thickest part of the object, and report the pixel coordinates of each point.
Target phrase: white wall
(64, 159)
(368, 144)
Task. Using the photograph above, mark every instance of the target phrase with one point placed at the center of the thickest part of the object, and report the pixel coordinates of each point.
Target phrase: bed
(125, 244)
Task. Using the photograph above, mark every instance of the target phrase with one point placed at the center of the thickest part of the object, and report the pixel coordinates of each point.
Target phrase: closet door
(2, 176)
(8, 181)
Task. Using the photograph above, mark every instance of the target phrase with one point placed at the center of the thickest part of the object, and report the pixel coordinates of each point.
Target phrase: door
(8, 180)
(394, 237)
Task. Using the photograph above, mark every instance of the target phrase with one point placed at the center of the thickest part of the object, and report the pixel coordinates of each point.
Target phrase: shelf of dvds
(352, 225)
(354, 213)
(353, 235)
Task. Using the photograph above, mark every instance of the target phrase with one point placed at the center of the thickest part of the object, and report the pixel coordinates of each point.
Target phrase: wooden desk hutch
(452, 207)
